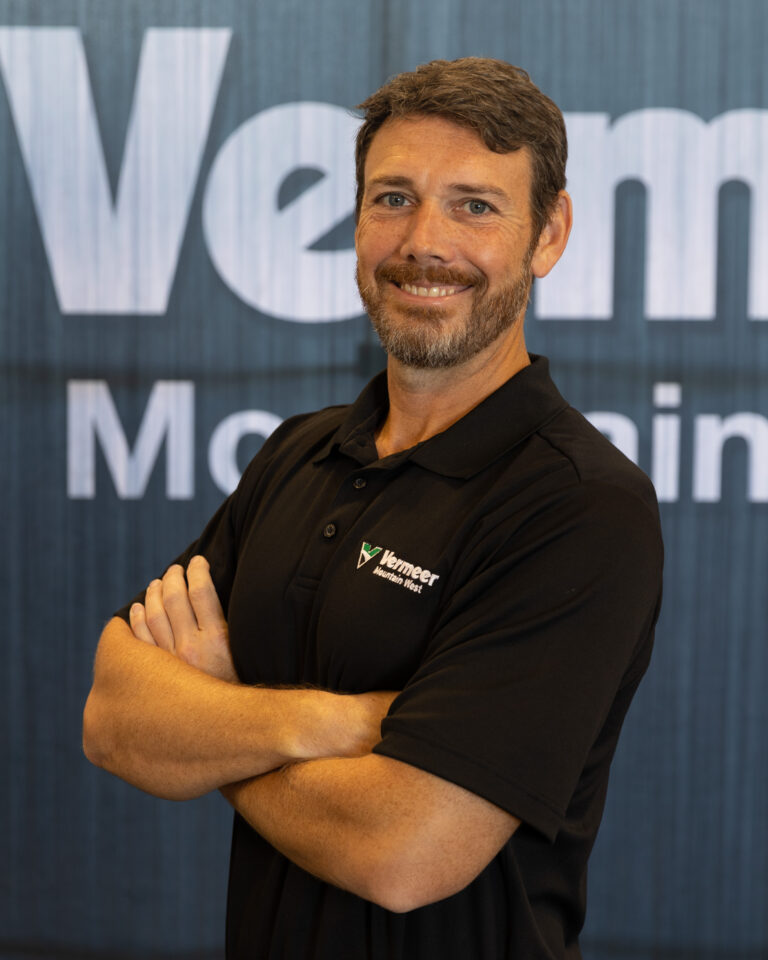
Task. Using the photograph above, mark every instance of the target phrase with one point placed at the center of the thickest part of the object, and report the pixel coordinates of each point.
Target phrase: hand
(185, 618)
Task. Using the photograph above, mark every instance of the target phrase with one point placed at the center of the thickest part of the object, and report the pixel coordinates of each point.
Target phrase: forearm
(293, 809)
(381, 829)
(177, 732)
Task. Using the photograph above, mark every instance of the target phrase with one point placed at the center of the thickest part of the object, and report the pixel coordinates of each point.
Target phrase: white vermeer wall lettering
(120, 256)
(105, 255)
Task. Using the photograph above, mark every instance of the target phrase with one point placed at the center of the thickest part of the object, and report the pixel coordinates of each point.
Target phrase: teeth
(429, 291)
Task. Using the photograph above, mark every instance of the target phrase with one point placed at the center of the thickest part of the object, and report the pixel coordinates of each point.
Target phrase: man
(459, 534)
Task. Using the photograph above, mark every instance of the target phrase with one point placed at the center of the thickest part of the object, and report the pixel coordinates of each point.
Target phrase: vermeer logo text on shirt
(396, 570)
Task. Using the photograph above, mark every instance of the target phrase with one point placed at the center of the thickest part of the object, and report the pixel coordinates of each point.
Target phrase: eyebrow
(484, 189)
(390, 182)
(480, 188)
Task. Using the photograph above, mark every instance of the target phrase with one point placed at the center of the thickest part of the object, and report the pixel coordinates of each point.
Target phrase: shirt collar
(509, 415)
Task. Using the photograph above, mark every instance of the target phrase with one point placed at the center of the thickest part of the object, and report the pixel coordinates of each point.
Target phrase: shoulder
(303, 435)
(305, 431)
(567, 496)
(593, 460)
(566, 469)
(600, 515)
(298, 441)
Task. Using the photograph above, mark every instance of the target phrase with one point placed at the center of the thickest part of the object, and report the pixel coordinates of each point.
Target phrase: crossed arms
(167, 713)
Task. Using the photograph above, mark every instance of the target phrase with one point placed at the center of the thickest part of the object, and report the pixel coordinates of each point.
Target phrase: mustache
(401, 273)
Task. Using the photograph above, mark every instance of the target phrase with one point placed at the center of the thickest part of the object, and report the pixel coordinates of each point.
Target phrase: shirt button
(359, 482)
(329, 531)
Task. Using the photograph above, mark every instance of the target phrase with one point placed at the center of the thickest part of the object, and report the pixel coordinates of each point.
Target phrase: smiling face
(444, 242)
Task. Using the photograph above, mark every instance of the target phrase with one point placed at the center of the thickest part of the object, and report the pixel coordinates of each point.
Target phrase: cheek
(373, 244)
(500, 261)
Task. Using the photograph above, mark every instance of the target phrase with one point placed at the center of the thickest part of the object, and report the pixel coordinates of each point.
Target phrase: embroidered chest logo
(398, 571)
(367, 552)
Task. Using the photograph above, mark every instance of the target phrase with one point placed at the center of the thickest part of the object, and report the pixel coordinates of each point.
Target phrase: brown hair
(495, 99)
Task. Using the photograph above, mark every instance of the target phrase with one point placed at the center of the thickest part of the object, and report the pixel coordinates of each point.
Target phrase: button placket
(345, 509)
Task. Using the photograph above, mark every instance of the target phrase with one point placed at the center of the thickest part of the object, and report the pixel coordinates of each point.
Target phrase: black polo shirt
(506, 576)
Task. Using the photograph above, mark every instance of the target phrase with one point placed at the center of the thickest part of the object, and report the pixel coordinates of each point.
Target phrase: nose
(428, 235)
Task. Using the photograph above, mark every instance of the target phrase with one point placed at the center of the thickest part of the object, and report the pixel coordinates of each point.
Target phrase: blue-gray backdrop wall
(176, 277)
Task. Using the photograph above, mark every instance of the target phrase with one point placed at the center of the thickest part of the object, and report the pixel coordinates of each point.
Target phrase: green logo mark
(367, 552)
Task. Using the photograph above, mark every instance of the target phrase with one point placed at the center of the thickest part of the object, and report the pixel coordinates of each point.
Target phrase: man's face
(443, 241)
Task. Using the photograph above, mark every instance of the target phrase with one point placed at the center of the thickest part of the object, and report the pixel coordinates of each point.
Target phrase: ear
(553, 237)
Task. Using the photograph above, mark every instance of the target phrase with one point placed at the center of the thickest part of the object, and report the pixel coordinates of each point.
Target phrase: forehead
(431, 145)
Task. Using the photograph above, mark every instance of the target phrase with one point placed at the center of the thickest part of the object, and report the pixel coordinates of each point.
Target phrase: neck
(423, 402)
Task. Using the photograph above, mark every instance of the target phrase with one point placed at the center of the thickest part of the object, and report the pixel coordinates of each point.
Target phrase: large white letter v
(110, 257)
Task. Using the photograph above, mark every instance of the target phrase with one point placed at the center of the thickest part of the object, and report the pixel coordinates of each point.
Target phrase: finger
(139, 624)
(177, 605)
(203, 596)
(156, 617)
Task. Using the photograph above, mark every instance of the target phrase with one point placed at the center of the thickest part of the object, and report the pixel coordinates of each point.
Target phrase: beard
(420, 336)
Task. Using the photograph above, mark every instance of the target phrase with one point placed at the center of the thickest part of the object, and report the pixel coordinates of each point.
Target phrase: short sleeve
(528, 658)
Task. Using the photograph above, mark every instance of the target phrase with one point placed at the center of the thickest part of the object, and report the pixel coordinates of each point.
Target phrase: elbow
(398, 900)
(399, 897)
(401, 886)
(95, 741)
(104, 747)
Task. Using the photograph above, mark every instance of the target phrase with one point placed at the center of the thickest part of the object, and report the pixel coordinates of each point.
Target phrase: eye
(477, 207)
(392, 200)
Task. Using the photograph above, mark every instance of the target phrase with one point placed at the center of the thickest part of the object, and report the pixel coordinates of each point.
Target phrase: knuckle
(155, 620)
(196, 588)
(196, 596)
(172, 585)
(171, 575)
